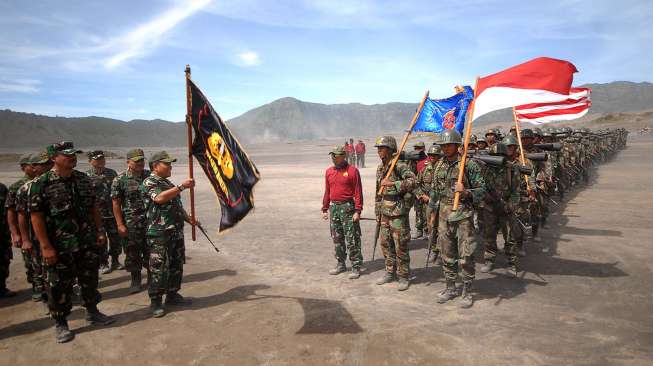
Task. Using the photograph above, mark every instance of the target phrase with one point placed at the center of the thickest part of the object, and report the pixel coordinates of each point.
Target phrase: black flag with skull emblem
(230, 171)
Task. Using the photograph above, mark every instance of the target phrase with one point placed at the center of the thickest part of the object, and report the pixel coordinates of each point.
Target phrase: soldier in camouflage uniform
(542, 173)
(392, 212)
(419, 205)
(5, 245)
(491, 137)
(129, 211)
(66, 219)
(12, 219)
(423, 192)
(342, 203)
(165, 233)
(456, 237)
(102, 178)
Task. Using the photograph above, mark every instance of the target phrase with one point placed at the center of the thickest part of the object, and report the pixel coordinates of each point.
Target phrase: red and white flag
(541, 80)
(575, 106)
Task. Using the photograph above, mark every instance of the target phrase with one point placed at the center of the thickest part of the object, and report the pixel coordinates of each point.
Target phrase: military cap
(40, 158)
(338, 150)
(64, 147)
(420, 144)
(162, 156)
(25, 159)
(135, 155)
(95, 154)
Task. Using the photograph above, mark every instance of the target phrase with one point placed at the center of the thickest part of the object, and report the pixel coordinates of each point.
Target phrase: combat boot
(404, 283)
(174, 298)
(487, 267)
(116, 265)
(37, 295)
(136, 282)
(387, 278)
(466, 299)
(355, 273)
(418, 234)
(62, 332)
(448, 293)
(339, 268)
(94, 316)
(157, 307)
(105, 269)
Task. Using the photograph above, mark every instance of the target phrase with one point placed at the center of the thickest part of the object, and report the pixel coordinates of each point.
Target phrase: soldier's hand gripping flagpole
(468, 131)
(189, 124)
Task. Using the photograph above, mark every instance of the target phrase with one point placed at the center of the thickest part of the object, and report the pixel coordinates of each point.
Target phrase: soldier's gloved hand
(188, 183)
(356, 217)
(49, 255)
(325, 215)
(122, 231)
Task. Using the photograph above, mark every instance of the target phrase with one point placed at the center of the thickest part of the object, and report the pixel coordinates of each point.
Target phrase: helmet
(578, 131)
(481, 139)
(450, 137)
(527, 132)
(587, 130)
(473, 139)
(491, 131)
(435, 150)
(537, 131)
(498, 149)
(547, 133)
(386, 141)
(510, 140)
(420, 144)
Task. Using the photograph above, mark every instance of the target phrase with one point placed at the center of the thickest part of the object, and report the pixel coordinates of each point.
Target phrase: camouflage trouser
(432, 229)
(394, 236)
(6, 255)
(82, 266)
(136, 249)
(535, 212)
(420, 214)
(457, 243)
(114, 245)
(167, 257)
(38, 285)
(516, 231)
(345, 230)
(493, 222)
(27, 262)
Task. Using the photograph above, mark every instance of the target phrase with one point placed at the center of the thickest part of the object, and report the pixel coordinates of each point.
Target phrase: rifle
(376, 235)
(553, 146)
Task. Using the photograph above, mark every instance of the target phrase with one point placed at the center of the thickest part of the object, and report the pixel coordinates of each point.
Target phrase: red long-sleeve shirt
(360, 148)
(343, 184)
(421, 164)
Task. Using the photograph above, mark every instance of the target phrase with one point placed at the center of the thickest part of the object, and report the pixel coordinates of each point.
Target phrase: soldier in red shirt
(360, 154)
(343, 203)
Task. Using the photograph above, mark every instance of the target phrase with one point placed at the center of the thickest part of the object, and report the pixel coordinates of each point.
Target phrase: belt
(393, 198)
(341, 202)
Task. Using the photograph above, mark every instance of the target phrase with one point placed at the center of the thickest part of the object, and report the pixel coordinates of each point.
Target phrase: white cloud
(143, 39)
(249, 58)
(29, 86)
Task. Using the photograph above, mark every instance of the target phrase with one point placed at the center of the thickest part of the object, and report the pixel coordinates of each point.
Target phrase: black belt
(341, 202)
(393, 198)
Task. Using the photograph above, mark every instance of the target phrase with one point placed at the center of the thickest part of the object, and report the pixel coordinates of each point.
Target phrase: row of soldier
(61, 218)
(499, 193)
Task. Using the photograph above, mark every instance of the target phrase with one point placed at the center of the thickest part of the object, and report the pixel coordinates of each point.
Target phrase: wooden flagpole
(521, 148)
(468, 132)
(189, 123)
(403, 143)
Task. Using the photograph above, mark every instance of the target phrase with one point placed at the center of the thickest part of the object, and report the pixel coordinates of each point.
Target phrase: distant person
(129, 211)
(102, 178)
(165, 233)
(65, 214)
(342, 203)
(360, 154)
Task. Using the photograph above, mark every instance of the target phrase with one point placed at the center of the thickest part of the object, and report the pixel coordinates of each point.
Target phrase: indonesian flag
(575, 106)
(541, 80)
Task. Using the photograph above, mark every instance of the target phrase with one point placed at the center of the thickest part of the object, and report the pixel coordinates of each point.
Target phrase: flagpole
(189, 123)
(403, 143)
(468, 133)
(521, 148)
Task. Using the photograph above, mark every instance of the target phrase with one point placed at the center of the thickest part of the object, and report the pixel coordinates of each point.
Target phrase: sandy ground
(266, 299)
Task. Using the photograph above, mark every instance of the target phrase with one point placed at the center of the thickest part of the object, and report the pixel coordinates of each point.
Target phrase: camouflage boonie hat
(420, 144)
(338, 150)
(135, 155)
(25, 159)
(163, 157)
(64, 147)
(95, 154)
(40, 158)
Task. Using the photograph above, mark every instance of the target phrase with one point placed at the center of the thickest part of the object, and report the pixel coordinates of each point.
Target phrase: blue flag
(438, 115)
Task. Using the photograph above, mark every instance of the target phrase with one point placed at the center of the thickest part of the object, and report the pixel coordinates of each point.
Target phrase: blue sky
(125, 59)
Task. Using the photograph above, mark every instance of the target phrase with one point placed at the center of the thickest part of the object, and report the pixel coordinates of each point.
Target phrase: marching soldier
(129, 211)
(392, 212)
(165, 233)
(424, 192)
(343, 203)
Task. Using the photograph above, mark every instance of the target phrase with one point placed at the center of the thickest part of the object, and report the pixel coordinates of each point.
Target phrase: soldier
(66, 219)
(542, 173)
(165, 233)
(420, 206)
(5, 245)
(343, 203)
(491, 137)
(102, 178)
(456, 237)
(129, 211)
(12, 220)
(481, 143)
(423, 193)
(392, 213)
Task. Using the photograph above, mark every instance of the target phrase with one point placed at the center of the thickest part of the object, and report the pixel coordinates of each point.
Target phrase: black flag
(230, 171)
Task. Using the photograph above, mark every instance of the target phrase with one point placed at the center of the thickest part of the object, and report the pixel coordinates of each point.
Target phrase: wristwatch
(181, 188)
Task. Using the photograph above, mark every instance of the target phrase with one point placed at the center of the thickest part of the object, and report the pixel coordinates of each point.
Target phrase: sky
(126, 59)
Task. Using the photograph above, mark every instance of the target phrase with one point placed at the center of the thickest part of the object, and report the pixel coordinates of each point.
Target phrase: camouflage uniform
(102, 182)
(10, 203)
(165, 238)
(5, 242)
(67, 205)
(22, 208)
(126, 187)
(424, 187)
